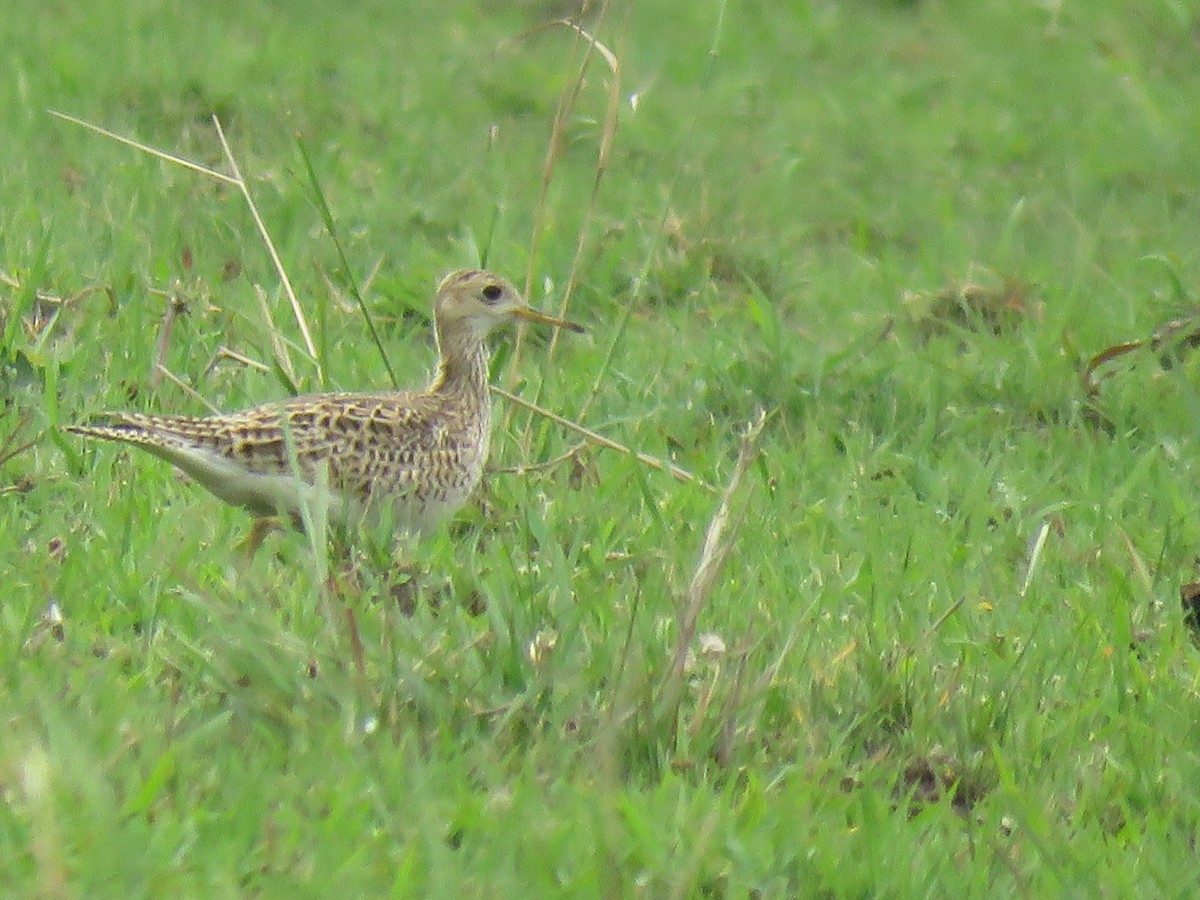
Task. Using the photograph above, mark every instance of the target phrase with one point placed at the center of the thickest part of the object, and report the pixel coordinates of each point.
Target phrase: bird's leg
(262, 526)
(404, 585)
(404, 573)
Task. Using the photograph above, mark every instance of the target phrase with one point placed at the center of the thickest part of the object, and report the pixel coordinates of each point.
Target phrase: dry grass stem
(297, 310)
(716, 545)
(369, 281)
(724, 749)
(224, 352)
(566, 104)
(176, 306)
(62, 302)
(279, 346)
(713, 555)
(7, 450)
(944, 618)
(1088, 375)
(1139, 564)
(237, 180)
(357, 652)
(602, 441)
(186, 388)
(1182, 333)
(146, 148)
(608, 133)
(1035, 557)
(542, 466)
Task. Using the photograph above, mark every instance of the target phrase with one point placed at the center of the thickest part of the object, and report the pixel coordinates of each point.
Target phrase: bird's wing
(368, 441)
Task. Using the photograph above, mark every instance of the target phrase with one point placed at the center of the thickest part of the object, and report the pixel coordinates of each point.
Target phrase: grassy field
(946, 654)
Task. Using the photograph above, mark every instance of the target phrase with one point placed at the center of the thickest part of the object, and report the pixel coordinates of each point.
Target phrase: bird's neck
(462, 364)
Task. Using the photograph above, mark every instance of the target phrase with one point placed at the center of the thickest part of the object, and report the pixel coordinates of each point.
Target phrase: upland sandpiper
(414, 456)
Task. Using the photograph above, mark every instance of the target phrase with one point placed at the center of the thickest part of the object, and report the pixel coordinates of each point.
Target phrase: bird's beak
(529, 314)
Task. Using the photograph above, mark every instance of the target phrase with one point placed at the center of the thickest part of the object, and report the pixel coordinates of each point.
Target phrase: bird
(414, 456)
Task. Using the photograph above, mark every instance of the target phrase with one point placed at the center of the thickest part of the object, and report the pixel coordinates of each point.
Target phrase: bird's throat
(462, 369)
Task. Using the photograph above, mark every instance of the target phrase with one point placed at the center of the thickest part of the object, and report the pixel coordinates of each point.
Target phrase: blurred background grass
(954, 659)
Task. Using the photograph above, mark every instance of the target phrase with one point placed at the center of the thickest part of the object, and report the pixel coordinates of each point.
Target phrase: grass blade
(327, 218)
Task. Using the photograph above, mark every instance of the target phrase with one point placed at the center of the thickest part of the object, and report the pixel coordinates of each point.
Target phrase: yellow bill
(533, 315)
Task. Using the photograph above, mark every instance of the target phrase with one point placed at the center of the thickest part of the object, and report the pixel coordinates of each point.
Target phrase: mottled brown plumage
(416, 454)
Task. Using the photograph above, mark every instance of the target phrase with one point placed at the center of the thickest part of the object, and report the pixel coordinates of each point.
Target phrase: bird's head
(476, 302)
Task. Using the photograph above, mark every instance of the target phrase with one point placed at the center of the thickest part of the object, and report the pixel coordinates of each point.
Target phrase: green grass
(912, 701)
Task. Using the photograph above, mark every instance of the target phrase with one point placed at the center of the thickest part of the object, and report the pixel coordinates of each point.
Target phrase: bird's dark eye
(492, 293)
